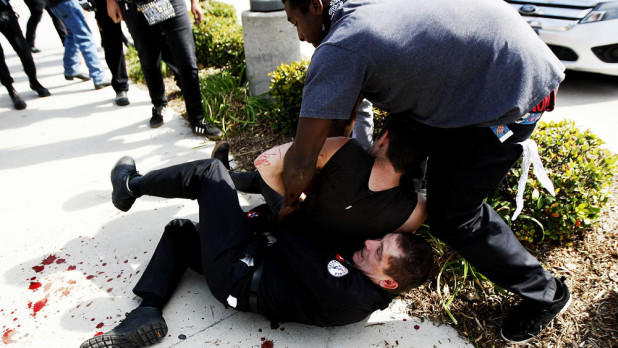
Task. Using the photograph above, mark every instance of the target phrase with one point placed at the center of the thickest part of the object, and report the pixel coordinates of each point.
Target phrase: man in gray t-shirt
(469, 74)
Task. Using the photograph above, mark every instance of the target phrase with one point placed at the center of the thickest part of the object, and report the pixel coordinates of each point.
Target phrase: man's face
(373, 259)
(308, 24)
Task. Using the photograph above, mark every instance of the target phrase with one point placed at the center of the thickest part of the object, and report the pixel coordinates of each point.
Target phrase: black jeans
(464, 166)
(9, 26)
(156, 42)
(36, 8)
(215, 247)
(112, 40)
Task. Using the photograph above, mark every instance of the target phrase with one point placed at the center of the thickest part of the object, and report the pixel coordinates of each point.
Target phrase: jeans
(172, 41)
(79, 39)
(11, 30)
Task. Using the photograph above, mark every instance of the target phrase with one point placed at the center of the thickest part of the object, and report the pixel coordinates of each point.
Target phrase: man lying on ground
(294, 279)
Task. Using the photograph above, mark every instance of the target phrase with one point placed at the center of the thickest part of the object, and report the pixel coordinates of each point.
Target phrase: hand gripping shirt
(445, 63)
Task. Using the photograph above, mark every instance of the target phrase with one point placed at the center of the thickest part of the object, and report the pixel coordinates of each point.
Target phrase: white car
(583, 34)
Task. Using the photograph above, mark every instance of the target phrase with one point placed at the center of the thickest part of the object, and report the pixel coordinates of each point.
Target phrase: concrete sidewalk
(69, 259)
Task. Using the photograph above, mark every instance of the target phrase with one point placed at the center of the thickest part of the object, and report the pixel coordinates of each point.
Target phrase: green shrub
(286, 88)
(218, 9)
(134, 68)
(227, 102)
(582, 174)
(219, 44)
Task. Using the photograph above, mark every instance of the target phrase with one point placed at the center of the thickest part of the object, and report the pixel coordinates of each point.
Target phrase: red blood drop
(98, 333)
(416, 327)
(34, 286)
(7, 336)
(268, 344)
(59, 261)
(38, 306)
(71, 268)
(38, 268)
(90, 277)
(99, 325)
(49, 260)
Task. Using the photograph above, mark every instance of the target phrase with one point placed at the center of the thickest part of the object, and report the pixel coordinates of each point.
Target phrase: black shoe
(122, 99)
(122, 197)
(529, 318)
(202, 127)
(34, 50)
(157, 117)
(103, 84)
(221, 152)
(39, 89)
(18, 103)
(142, 327)
(78, 76)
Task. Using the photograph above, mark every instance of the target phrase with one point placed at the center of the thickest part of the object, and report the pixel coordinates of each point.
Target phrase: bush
(582, 174)
(219, 44)
(286, 88)
(218, 9)
(134, 67)
(227, 102)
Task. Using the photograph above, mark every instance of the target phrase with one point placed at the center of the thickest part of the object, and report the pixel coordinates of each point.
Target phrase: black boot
(36, 86)
(122, 197)
(157, 116)
(142, 327)
(221, 152)
(18, 103)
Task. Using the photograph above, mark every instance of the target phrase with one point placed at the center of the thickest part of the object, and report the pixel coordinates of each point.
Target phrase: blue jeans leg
(79, 37)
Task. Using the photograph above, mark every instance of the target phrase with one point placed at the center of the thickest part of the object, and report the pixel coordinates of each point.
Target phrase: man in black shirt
(292, 279)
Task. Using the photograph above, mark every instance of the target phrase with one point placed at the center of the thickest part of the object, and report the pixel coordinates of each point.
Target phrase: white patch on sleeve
(232, 301)
(336, 269)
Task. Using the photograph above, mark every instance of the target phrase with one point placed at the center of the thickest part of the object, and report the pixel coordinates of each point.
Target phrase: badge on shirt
(502, 132)
(336, 269)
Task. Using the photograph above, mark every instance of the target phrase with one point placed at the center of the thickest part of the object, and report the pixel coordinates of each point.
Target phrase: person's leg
(70, 59)
(36, 8)
(58, 25)
(7, 81)
(111, 40)
(73, 17)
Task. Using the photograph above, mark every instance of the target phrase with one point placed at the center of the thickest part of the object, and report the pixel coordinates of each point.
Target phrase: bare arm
(198, 13)
(417, 217)
(270, 163)
(113, 11)
(299, 164)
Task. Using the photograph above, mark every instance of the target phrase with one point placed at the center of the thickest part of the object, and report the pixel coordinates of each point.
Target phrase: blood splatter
(89, 277)
(37, 306)
(49, 260)
(38, 268)
(104, 264)
(110, 289)
(259, 330)
(274, 326)
(405, 319)
(33, 278)
(7, 336)
(98, 333)
(125, 261)
(72, 282)
(100, 325)
(34, 286)
(416, 327)
(71, 268)
(59, 261)
(268, 344)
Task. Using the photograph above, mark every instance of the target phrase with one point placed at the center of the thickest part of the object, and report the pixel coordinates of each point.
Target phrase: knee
(179, 227)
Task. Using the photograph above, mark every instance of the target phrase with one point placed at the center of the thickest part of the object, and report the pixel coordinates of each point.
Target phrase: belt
(255, 285)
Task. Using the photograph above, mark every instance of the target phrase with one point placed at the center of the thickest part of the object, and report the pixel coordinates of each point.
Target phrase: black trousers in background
(9, 27)
(36, 8)
(156, 42)
(112, 40)
(215, 247)
(464, 166)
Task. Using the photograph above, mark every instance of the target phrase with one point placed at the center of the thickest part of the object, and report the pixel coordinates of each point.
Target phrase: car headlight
(603, 12)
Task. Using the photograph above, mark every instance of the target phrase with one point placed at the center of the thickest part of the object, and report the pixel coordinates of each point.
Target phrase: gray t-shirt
(447, 63)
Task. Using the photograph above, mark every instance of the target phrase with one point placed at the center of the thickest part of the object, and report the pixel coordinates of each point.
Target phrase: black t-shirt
(343, 212)
(304, 283)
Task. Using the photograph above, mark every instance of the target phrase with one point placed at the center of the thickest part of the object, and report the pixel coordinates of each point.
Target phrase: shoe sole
(144, 336)
(123, 102)
(71, 78)
(519, 343)
(156, 125)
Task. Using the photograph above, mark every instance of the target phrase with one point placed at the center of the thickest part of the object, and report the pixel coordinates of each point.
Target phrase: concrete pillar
(270, 40)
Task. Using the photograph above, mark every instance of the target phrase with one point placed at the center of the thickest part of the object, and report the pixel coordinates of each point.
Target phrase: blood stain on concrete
(59, 261)
(98, 333)
(100, 325)
(38, 268)
(416, 327)
(71, 268)
(7, 336)
(37, 306)
(268, 344)
(49, 260)
(34, 286)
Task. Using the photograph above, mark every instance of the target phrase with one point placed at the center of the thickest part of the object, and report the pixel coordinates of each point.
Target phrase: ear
(390, 284)
(316, 7)
(383, 140)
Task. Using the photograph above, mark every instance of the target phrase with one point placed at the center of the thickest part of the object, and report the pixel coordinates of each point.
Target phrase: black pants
(112, 40)
(215, 247)
(464, 166)
(9, 26)
(36, 8)
(172, 41)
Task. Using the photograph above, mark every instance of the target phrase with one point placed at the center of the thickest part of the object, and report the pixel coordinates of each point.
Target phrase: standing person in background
(9, 26)
(112, 40)
(150, 34)
(79, 39)
(36, 8)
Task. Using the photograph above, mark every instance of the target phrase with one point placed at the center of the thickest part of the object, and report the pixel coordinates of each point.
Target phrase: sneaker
(122, 99)
(78, 76)
(157, 117)
(39, 89)
(221, 152)
(202, 127)
(122, 197)
(142, 327)
(529, 318)
(103, 84)
(34, 50)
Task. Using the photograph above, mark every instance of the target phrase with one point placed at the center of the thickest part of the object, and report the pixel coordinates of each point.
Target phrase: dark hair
(412, 268)
(302, 5)
(404, 144)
